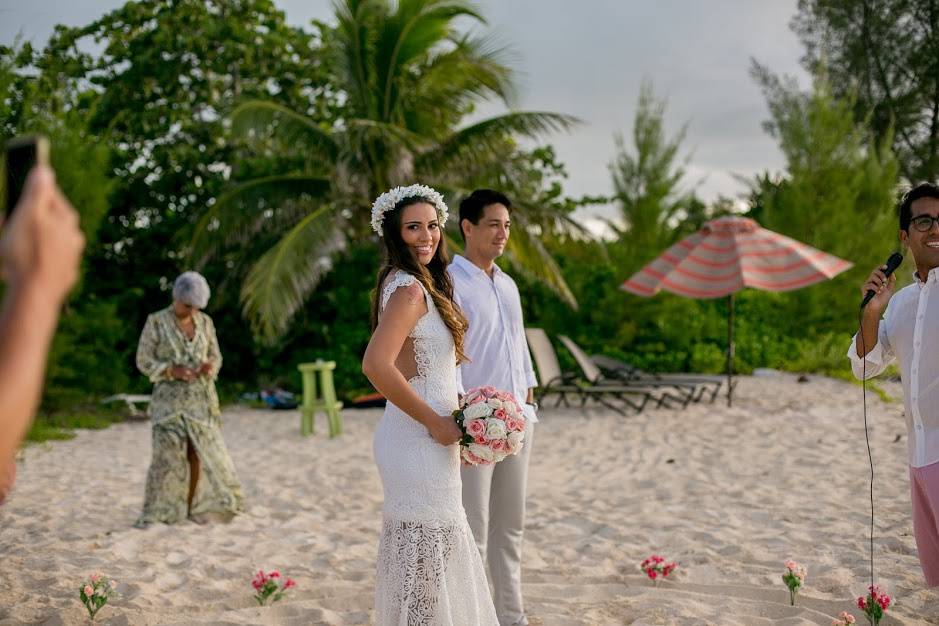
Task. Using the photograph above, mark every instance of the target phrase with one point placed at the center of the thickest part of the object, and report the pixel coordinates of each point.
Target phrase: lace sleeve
(400, 279)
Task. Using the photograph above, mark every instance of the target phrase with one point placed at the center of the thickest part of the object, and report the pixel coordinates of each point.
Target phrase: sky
(588, 59)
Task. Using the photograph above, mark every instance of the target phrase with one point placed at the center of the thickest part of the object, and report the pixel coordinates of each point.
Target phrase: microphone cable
(867, 438)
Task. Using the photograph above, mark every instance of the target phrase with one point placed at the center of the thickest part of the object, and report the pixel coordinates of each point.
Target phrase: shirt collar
(932, 277)
(472, 269)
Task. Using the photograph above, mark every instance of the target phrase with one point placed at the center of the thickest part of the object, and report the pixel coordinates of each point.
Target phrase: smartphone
(22, 153)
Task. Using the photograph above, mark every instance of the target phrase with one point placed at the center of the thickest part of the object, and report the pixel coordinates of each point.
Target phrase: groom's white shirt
(495, 340)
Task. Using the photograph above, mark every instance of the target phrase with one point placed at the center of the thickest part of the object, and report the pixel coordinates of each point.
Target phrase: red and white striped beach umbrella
(728, 254)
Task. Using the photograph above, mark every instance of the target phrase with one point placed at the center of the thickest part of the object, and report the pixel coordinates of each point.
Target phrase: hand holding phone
(40, 242)
(22, 154)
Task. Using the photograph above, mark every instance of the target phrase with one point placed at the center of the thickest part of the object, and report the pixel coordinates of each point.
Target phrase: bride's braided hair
(433, 276)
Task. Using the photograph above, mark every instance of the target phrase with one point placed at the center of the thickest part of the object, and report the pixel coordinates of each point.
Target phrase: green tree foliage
(837, 193)
(408, 77)
(158, 95)
(647, 182)
(89, 328)
(887, 52)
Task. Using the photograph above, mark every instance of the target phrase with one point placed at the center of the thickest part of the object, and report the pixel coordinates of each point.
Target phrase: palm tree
(408, 78)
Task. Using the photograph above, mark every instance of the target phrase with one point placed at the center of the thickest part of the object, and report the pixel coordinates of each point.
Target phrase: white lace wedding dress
(429, 570)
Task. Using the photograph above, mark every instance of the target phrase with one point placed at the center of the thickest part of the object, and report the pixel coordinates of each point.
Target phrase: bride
(429, 570)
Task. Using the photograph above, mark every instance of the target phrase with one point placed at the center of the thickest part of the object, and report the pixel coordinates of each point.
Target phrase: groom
(494, 495)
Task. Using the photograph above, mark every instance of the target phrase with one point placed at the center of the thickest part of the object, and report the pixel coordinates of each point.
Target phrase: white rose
(483, 452)
(515, 440)
(476, 411)
(495, 428)
(495, 403)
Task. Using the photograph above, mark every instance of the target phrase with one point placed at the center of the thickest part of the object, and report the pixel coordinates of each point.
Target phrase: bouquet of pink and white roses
(492, 423)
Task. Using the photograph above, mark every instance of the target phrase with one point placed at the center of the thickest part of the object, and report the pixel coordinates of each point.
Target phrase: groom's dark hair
(474, 205)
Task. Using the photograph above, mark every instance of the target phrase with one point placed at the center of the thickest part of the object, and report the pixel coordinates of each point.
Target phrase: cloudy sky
(589, 61)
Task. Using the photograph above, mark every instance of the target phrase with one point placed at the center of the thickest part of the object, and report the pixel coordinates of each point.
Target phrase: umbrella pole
(730, 348)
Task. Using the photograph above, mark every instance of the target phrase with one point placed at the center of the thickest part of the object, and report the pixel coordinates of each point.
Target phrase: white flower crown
(388, 200)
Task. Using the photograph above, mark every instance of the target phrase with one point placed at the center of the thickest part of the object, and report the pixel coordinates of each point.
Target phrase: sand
(728, 493)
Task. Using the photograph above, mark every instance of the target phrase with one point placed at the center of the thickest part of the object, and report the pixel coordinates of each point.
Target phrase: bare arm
(404, 309)
(27, 325)
(40, 252)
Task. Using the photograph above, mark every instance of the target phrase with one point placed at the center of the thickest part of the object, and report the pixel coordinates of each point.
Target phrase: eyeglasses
(923, 223)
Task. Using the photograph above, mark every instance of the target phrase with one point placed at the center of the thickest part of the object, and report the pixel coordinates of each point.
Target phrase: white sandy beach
(729, 493)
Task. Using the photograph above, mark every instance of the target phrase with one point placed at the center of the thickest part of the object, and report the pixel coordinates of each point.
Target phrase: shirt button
(919, 427)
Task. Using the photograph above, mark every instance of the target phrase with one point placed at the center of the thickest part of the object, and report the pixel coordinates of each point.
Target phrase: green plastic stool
(325, 402)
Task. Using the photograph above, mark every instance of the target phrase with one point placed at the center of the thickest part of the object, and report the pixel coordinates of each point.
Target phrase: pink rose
(476, 428)
(478, 400)
(514, 424)
(500, 414)
(290, 583)
(274, 574)
(498, 445)
(88, 591)
(481, 440)
(95, 578)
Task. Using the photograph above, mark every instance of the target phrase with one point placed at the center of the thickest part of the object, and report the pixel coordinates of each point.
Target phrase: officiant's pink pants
(924, 492)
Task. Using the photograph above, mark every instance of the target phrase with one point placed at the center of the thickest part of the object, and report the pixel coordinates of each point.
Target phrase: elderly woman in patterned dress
(191, 474)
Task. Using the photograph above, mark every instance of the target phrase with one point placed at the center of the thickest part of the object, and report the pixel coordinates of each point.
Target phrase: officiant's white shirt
(909, 333)
(495, 340)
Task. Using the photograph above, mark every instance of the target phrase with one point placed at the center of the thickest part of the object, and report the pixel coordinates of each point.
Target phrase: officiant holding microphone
(494, 495)
(909, 334)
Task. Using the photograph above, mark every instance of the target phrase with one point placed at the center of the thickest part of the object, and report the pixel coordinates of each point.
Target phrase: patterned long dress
(181, 411)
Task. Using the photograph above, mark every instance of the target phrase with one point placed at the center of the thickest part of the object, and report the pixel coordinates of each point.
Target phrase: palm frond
(263, 204)
(476, 68)
(386, 133)
(528, 256)
(285, 275)
(409, 35)
(291, 128)
(470, 145)
(356, 33)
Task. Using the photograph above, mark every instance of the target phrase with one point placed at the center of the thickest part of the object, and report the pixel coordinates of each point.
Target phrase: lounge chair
(681, 393)
(556, 382)
(620, 370)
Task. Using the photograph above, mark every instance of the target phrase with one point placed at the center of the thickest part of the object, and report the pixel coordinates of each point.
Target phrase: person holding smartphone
(40, 255)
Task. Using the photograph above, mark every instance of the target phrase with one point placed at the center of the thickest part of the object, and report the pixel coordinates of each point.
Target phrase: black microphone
(892, 263)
